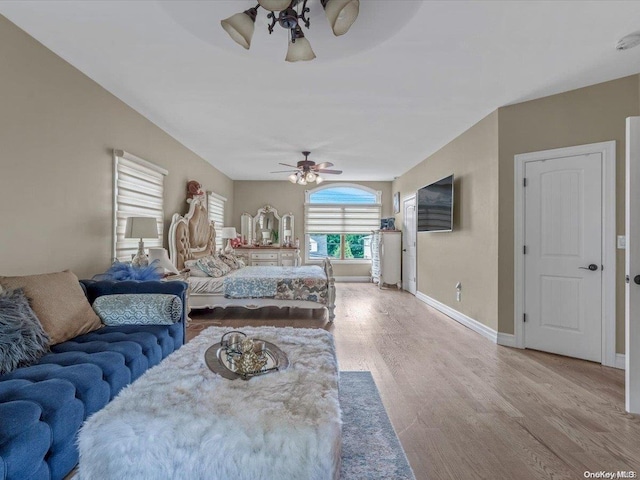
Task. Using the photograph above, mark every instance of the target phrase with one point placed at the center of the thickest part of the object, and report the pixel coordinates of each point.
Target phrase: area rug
(370, 447)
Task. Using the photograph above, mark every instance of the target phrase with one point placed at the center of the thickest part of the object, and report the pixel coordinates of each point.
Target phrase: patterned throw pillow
(194, 269)
(213, 266)
(22, 339)
(231, 260)
(138, 309)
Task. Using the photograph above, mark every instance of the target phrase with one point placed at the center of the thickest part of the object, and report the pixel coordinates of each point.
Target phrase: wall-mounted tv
(435, 206)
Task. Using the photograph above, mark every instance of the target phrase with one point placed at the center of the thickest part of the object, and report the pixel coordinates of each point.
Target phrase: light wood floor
(465, 408)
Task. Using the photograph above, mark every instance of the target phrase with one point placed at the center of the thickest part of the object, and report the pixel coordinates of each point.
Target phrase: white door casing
(569, 310)
(632, 267)
(563, 304)
(409, 245)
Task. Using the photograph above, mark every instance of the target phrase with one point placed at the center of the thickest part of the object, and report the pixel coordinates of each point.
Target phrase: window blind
(138, 192)
(215, 206)
(341, 219)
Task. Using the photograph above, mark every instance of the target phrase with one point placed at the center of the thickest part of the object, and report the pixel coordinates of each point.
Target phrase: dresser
(270, 256)
(386, 257)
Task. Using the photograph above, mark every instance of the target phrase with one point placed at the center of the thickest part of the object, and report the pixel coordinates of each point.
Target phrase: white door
(409, 245)
(632, 268)
(563, 256)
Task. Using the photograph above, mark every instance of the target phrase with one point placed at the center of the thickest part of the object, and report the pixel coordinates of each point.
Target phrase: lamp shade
(229, 232)
(319, 179)
(341, 14)
(141, 227)
(240, 27)
(162, 257)
(299, 51)
(274, 5)
(287, 233)
(293, 178)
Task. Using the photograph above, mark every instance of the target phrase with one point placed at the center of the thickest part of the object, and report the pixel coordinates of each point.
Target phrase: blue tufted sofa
(43, 406)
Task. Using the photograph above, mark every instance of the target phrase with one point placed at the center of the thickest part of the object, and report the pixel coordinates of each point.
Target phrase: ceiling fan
(306, 171)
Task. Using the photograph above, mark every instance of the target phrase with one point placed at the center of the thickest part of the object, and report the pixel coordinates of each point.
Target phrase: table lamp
(229, 233)
(141, 227)
(287, 238)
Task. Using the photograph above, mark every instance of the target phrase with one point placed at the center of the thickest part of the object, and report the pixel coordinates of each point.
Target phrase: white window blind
(138, 192)
(341, 219)
(216, 215)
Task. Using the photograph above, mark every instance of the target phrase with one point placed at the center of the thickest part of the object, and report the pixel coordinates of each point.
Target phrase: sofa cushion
(59, 303)
(138, 309)
(22, 339)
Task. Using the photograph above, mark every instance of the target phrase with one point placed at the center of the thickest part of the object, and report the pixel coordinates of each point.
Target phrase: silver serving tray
(218, 362)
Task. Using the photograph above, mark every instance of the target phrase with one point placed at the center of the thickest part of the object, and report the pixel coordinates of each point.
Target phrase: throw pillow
(194, 269)
(59, 303)
(231, 260)
(22, 340)
(213, 266)
(139, 309)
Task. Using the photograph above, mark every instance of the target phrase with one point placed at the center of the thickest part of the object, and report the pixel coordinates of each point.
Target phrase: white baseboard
(620, 361)
(507, 340)
(459, 317)
(342, 279)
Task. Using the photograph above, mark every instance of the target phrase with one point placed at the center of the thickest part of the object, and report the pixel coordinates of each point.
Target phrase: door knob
(636, 279)
(404, 249)
(593, 267)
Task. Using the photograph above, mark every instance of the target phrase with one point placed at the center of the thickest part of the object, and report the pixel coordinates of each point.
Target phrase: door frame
(608, 152)
(415, 239)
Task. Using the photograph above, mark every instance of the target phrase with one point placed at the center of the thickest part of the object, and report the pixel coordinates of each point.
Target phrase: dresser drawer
(264, 256)
(264, 263)
(287, 255)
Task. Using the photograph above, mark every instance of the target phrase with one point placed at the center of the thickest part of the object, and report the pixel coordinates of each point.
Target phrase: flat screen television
(435, 206)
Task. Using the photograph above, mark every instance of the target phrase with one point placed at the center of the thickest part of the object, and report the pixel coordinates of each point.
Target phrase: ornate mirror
(286, 230)
(266, 227)
(246, 228)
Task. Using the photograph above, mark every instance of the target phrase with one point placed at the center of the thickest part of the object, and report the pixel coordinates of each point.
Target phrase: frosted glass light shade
(319, 179)
(274, 5)
(299, 51)
(293, 178)
(341, 14)
(229, 232)
(311, 177)
(240, 27)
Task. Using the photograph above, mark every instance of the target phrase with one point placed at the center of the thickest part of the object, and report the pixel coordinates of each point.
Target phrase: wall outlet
(622, 242)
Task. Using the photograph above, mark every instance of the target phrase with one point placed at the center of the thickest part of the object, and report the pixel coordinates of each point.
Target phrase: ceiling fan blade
(287, 165)
(332, 172)
(286, 171)
(324, 165)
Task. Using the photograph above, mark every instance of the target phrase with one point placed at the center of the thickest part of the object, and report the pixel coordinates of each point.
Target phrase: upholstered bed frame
(192, 236)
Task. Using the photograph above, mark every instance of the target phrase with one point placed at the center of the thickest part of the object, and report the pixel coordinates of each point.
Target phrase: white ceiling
(409, 77)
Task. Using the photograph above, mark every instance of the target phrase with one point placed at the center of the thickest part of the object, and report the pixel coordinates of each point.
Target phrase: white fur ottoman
(182, 421)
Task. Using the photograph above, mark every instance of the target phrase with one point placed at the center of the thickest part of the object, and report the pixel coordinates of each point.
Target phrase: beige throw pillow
(59, 302)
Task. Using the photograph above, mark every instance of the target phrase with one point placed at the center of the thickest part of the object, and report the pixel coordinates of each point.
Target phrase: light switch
(622, 242)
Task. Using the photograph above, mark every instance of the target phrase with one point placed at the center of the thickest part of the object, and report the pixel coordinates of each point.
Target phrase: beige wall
(469, 254)
(287, 197)
(587, 115)
(57, 131)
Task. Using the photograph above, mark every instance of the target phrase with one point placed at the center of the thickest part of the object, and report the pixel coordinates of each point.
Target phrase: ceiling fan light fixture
(311, 177)
(319, 179)
(274, 5)
(240, 26)
(341, 14)
(299, 47)
(293, 178)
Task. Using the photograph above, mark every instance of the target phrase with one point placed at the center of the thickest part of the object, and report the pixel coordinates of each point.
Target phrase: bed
(192, 236)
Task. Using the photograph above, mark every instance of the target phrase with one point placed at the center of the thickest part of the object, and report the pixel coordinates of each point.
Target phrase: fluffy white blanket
(182, 421)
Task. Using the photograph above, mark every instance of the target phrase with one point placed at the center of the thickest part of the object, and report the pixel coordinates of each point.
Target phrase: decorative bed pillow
(22, 339)
(138, 309)
(213, 266)
(59, 303)
(231, 260)
(194, 270)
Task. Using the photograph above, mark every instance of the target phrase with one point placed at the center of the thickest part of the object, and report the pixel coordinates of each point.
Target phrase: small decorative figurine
(194, 189)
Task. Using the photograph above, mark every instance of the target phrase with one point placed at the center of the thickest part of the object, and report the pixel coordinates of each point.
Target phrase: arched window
(339, 220)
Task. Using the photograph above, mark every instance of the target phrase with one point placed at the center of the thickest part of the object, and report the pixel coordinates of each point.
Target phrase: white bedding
(207, 285)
